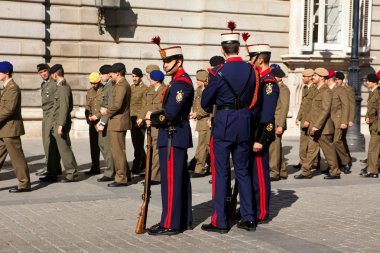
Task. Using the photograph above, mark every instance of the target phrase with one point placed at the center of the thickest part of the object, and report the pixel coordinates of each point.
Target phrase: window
(327, 25)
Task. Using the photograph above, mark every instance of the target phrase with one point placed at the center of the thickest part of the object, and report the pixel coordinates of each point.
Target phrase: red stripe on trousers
(213, 175)
(262, 190)
(170, 177)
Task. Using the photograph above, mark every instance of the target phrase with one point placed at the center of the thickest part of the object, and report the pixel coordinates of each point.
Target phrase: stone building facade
(73, 33)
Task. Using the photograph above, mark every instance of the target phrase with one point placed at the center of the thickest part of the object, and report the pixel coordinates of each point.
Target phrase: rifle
(233, 203)
(141, 221)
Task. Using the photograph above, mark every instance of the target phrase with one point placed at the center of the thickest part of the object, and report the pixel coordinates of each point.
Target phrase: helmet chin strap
(257, 57)
(176, 61)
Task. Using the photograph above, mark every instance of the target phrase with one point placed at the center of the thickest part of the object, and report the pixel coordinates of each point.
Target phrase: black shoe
(17, 190)
(153, 182)
(92, 172)
(136, 170)
(369, 174)
(211, 228)
(162, 231)
(142, 173)
(197, 175)
(104, 179)
(274, 179)
(247, 225)
(66, 180)
(300, 176)
(116, 184)
(283, 177)
(318, 167)
(364, 160)
(265, 221)
(48, 179)
(332, 177)
(326, 172)
(41, 173)
(345, 169)
(298, 166)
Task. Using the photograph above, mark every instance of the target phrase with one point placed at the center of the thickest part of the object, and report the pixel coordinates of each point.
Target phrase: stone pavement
(307, 215)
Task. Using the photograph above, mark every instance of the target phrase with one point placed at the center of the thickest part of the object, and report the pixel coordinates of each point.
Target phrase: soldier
(174, 138)
(151, 101)
(11, 128)
(340, 116)
(48, 88)
(263, 129)
(202, 127)
(372, 119)
(60, 131)
(231, 88)
(149, 68)
(276, 156)
(321, 129)
(104, 138)
(138, 88)
(92, 112)
(118, 114)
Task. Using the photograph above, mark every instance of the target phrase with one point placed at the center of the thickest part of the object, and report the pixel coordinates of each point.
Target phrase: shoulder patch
(215, 70)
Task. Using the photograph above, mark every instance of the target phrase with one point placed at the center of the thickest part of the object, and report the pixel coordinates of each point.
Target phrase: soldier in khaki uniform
(307, 95)
(104, 139)
(203, 148)
(151, 101)
(12, 127)
(92, 112)
(321, 129)
(60, 131)
(138, 88)
(372, 119)
(340, 115)
(119, 122)
(48, 88)
(276, 156)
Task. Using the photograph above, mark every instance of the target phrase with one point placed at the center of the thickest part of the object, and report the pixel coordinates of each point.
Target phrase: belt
(230, 107)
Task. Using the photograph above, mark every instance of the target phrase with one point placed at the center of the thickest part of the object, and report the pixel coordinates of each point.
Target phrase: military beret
(137, 72)
(372, 78)
(321, 72)
(216, 60)
(55, 68)
(94, 77)
(6, 67)
(308, 72)
(331, 73)
(278, 72)
(151, 67)
(274, 66)
(202, 75)
(117, 67)
(157, 75)
(339, 75)
(105, 69)
(42, 66)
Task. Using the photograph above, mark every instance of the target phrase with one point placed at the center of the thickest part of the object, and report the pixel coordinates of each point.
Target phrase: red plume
(231, 25)
(156, 40)
(245, 36)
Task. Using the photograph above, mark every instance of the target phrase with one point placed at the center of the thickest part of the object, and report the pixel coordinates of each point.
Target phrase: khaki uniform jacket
(340, 106)
(118, 107)
(373, 110)
(319, 115)
(282, 107)
(137, 92)
(106, 94)
(202, 116)
(63, 104)
(11, 123)
(48, 90)
(93, 101)
(307, 96)
(151, 101)
(350, 93)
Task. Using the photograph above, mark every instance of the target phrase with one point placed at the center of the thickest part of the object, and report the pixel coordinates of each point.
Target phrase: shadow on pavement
(201, 212)
(281, 199)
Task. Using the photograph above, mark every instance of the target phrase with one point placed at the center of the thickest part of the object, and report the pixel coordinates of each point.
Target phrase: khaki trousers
(340, 148)
(304, 140)
(373, 153)
(203, 150)
(46, 127)
(138, 138)
(276, 158)
(122, 172)
(156, 174)
(104, 145)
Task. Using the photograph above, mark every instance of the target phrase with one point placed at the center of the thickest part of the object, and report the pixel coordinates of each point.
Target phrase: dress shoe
(332, 177)
(162, 231)
(298, 166)
(264, 221)
(211, 228)
(135, 170)
(66, 180)
(48, 179)
(247, 225)
(197, 175)
(92, 172)
(326, 172)
(364, 160)
(152, 182)
(369, 174)
(283, 177)
(274, 179)
(16, 190)
(345, 169)
(41, 173)
(116, 184)
(300, 176)
(104, 179)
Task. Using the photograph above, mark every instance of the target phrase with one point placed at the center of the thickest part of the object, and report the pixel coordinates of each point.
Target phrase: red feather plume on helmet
(231, 25)
(245, 38)
(157, 40)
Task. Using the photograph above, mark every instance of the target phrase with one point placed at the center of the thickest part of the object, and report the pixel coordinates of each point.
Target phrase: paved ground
(308, 215)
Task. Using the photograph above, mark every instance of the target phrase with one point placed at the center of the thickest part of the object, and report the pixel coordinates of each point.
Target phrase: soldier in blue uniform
(231, 88)
(263, 131)
(174, 138)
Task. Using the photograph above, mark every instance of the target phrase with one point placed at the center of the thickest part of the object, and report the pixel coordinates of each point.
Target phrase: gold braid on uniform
(254, 100)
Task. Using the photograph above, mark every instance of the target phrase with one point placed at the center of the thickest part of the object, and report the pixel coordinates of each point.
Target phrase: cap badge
(268, 88)
(179, 96)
